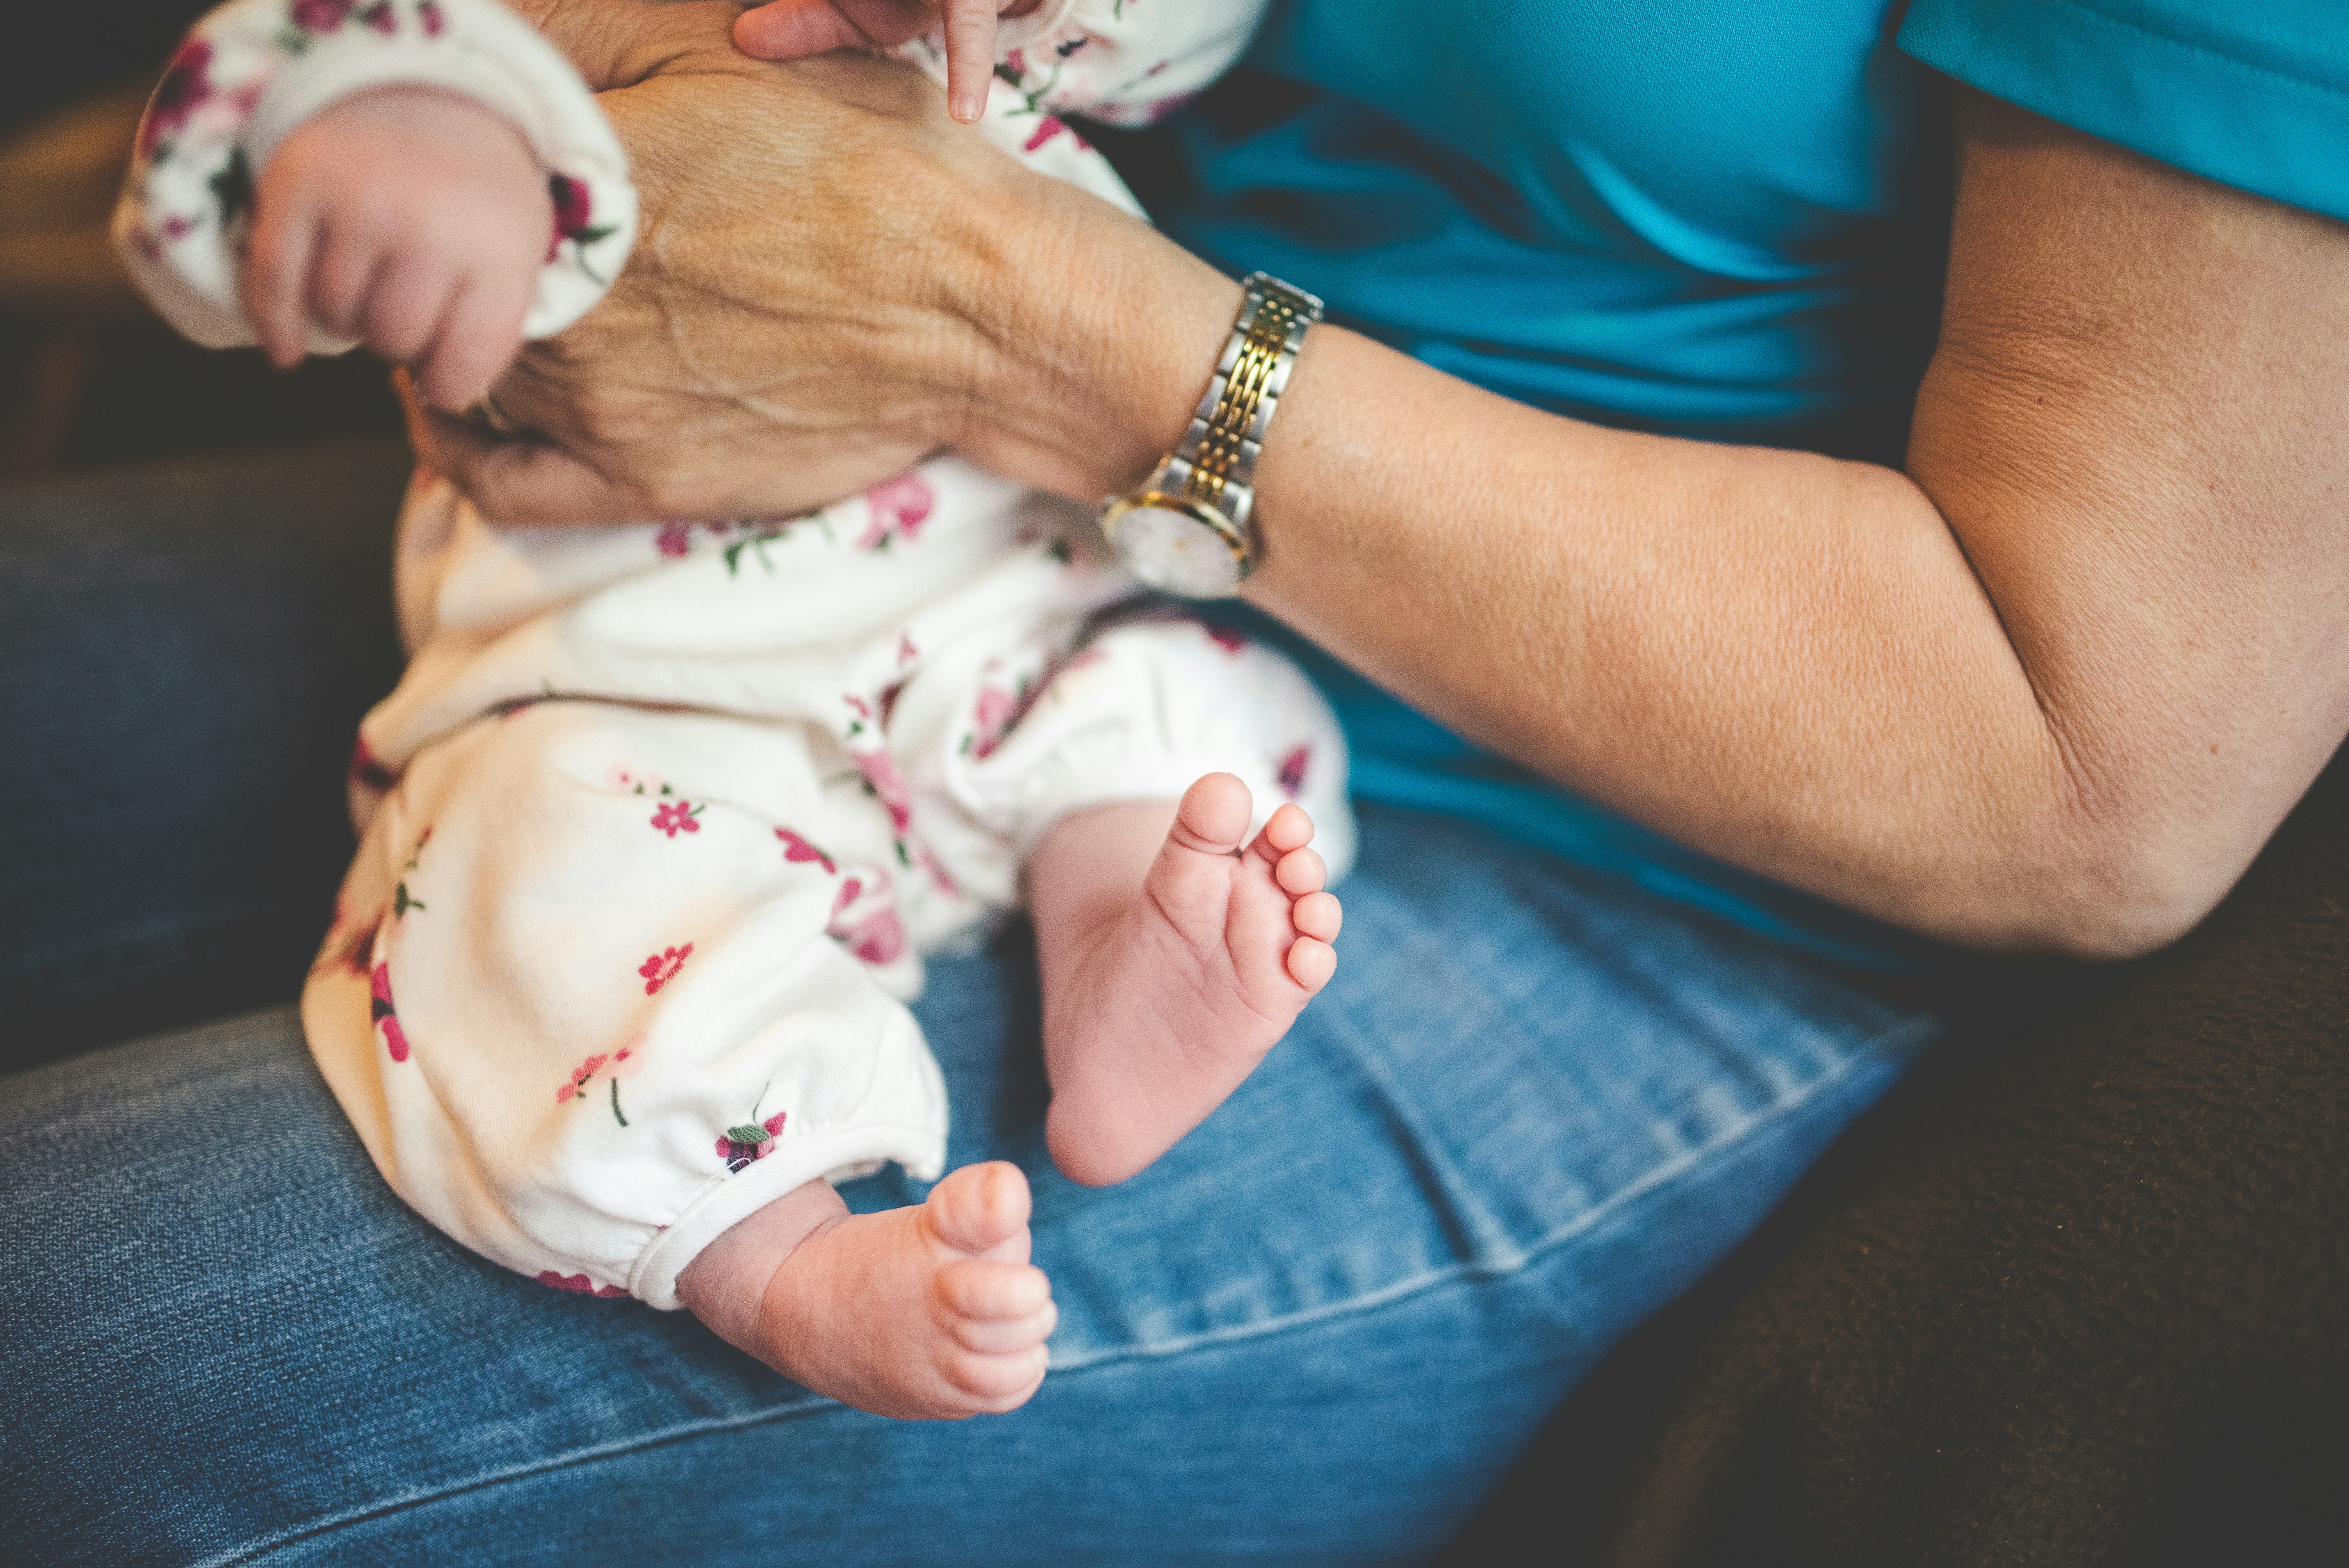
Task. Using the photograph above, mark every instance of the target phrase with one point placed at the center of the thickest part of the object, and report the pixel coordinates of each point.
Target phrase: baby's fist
(412, 219)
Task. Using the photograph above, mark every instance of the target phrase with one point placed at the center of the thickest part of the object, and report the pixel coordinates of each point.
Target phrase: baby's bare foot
(1160, 1013)
(925, 1314)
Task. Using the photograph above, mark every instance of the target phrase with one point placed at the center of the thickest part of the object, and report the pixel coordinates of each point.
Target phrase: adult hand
(833, 280)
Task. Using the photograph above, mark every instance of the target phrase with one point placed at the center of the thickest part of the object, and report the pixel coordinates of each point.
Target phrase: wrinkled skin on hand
(828, 285)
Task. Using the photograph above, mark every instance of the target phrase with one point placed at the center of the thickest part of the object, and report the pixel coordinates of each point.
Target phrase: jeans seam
(618, 1448)
(1589, 1220)
(1497, 1268)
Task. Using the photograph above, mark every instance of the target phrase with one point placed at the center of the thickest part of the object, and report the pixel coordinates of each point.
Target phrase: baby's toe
(1005, 1337)
(1317, 916)
(1002, 1292)
(1300, 872)
(1288, 828)
(1213, 816)
(980, 1208)
(991, 1380)
(1311, 963)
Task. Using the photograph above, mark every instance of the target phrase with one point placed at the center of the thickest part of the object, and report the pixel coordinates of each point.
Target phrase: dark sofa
(2081, 1295)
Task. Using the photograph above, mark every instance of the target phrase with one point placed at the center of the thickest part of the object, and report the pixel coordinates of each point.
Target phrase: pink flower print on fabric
(429, 13)
(1050, 126)
(674, 538)
(675, 817)
(387, 1020)
(742, 1146)
(380, 17)
(186, 87)
(622, 779)
(320, 16)
(573, 218)
(899, 507)
(797, 849)
(579, 1076)
(993, 716)
(996, 712)
(624, 1063)
(877, 936)
(1292, 770)
(661, 968)
(1223, 638)
(572, 205)
(888, 785)
(939, 878)
(578, 1282)
(862, 709)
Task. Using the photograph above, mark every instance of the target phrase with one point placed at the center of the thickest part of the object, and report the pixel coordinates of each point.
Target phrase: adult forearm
(2051, 687)
(1779, 658)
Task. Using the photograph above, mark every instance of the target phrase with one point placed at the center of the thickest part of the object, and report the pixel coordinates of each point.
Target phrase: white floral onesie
(660, 820)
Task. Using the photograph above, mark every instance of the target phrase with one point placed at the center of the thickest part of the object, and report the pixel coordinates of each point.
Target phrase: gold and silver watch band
(1189, 528)
(1214, 463)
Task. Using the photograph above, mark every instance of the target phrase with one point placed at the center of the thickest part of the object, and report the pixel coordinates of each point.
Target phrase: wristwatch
(1188, 530)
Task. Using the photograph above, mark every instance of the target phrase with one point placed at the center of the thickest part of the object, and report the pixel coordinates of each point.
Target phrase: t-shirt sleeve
(2252, 95)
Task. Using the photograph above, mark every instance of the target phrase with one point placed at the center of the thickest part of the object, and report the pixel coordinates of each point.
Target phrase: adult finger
(790, 29)
(516, 478)
(971, 57)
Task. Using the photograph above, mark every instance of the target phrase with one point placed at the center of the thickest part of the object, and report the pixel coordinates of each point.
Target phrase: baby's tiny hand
(411, 219)
(787, 30)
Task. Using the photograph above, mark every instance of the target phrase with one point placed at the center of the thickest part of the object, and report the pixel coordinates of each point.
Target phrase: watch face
(1174, 552)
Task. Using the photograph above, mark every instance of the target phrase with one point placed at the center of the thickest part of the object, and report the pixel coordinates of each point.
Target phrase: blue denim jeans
(1533, 1106)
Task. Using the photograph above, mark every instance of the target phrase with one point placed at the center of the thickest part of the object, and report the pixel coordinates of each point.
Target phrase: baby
(662, 816)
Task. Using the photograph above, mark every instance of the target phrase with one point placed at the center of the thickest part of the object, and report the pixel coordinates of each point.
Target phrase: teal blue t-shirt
(1720, 219)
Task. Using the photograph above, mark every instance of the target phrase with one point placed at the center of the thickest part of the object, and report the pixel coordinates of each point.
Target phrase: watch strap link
(1215, 463)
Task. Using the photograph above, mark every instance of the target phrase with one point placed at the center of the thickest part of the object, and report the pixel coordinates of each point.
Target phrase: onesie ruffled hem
(729, 1199)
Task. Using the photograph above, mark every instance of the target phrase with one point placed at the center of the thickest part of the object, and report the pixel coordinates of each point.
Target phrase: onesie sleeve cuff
(840, 1155)
(253, 71)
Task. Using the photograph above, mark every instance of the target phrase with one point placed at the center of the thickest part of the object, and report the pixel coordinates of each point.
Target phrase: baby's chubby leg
(1174, 956)
(929, 1313)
